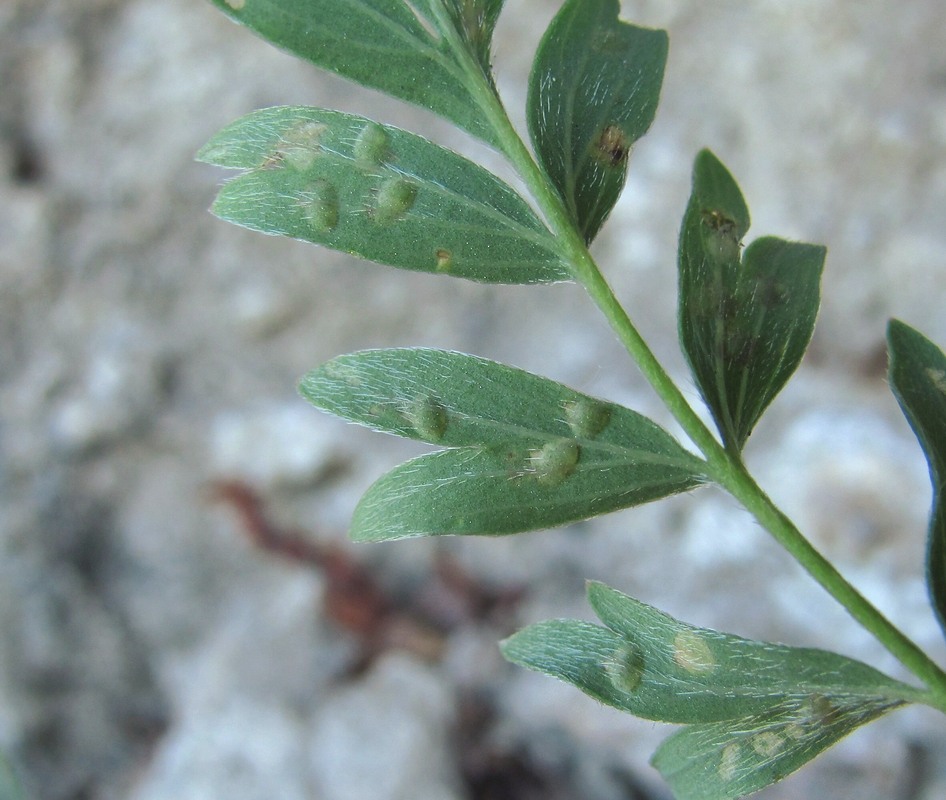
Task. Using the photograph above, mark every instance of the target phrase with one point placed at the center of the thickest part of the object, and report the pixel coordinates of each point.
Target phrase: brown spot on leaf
(612, 146)
(717, 221)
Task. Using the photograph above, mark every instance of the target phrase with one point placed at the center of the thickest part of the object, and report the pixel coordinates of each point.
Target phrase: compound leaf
(532, 453)
(402, 47)
(653, 666)
(380, 193)
(593, 93)
(745, 318)
(918, 379)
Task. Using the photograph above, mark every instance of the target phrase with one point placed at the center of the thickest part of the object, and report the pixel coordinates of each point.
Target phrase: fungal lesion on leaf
(729, 760)
(625, 668)
(692, 653)
(552, 463)
(718, 222)
(428, 415)
(395, 198)
(299, 146)
(444, 259)
(612, 146)
(767, 743)
(320, 205)
(371, 148)
(586, 417)
(721, 235)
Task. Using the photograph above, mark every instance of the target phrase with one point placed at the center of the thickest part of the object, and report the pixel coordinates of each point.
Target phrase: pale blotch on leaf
(691, 652)
(625, 668)
(429, 418)
(301, 144)
(554, 461)
(395, 198)
(586, 417)
(444, 259)
(320, 205)
(729, 762)
(371, 146)
(938, 377)
(767, 743)
(236, 5)
(795, 731)
(719, 238)
(339, 370)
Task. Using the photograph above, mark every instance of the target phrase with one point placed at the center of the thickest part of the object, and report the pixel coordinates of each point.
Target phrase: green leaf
(589, 657)
(745, 318)
(476, 21)
(380, 193)
(918, 379)
(416, 50)
(593, 93)
(532, 453)
(726, 760)
(497, 492)
(653, 666)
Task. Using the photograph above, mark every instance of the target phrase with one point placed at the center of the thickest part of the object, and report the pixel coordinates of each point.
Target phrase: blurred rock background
(149, 649)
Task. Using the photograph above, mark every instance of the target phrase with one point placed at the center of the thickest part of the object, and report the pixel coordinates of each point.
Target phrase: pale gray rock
(385, 738)
(280, 444)
(243, 750)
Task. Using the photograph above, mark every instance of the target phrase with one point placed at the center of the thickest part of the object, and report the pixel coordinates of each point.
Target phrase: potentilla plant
(520, 452)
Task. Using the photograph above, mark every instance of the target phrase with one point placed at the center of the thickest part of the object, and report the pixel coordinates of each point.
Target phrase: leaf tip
(897, 330)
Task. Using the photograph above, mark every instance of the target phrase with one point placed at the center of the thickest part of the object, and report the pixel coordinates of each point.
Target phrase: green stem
(723, 467)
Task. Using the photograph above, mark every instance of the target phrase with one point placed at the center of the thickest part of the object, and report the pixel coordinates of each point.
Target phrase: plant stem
(723, 467)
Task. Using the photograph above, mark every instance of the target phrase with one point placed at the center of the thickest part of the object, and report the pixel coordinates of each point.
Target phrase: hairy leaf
(745, 318)
(731, 759)
(593, 93)
(653, 666)
(532, 452)
(405, 48)
(380, 193)
(918, 379)
(493, 492)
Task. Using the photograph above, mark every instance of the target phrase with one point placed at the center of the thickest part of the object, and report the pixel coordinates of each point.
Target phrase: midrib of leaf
(536, 237)
(549, 501)
(719, 343)
(408, 36)
(623, 455)
(570, 170)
